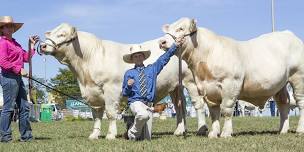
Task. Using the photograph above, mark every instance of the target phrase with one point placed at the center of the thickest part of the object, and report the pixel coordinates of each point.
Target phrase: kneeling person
(139, 85)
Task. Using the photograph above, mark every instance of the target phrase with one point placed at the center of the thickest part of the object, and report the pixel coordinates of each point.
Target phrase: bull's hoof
(202, 131)
(93, 137)
(178, 132)
(95, 134)
(284, 131)
(110, 136)
(300, 131)
(225, 135)
(213, 134)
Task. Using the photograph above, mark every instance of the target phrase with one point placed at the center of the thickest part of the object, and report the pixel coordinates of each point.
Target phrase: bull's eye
(61, 35)
(179, 29)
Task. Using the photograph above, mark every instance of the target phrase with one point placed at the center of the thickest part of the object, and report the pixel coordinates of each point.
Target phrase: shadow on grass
(156, 135)
(77, 137)
(188, 134)
(42, 138)
(252, 133)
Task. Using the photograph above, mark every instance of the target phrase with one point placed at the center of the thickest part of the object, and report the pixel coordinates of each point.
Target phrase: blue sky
(133, 21)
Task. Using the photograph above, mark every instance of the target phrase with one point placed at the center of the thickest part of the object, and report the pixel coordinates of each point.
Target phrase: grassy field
(250, 134)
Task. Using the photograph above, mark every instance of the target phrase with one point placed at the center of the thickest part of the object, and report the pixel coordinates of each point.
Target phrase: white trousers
(142, 127)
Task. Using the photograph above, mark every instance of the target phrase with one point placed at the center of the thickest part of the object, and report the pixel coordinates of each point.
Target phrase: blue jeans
(272, 108)
(14, 93)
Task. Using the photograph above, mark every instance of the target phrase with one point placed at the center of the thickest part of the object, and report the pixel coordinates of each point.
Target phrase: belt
(149, 104)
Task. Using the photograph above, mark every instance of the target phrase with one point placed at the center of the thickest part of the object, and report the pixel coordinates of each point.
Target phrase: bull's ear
(193, 21)
(193, 25)
(73, 32)
(47, 34)
(166, 28)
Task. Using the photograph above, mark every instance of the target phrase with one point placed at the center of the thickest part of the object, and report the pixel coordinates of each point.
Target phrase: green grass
(250, 134)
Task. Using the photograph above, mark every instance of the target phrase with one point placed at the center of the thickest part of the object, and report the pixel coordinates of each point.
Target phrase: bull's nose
(162, 43)
(43, 47)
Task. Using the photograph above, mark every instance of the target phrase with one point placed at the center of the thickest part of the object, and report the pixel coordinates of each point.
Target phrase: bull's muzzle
(162, 44)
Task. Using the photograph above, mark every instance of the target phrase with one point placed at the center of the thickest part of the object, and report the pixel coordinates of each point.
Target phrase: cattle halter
(54, 44)
(174, 37)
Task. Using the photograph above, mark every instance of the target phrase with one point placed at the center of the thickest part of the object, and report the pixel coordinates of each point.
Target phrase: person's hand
(130, 82)
(33, 40)
(180, 41)
(23, 72)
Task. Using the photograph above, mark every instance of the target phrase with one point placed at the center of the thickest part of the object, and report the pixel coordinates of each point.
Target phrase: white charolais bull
(99, 68)
(225, 69)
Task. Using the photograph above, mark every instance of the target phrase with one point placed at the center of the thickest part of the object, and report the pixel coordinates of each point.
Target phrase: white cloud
(82, 10)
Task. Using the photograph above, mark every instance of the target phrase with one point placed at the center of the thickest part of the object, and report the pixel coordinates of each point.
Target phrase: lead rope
(181, 93)
(60, 92)
(38, 47)
(30, 82)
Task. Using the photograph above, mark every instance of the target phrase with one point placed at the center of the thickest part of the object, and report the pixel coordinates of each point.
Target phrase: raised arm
(164, 59)
(27, 55)
(31, 45)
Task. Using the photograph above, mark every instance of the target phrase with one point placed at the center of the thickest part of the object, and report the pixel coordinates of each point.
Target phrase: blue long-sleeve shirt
(151, 72)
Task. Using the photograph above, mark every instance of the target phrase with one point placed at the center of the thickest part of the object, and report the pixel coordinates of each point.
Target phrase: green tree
(67, 83)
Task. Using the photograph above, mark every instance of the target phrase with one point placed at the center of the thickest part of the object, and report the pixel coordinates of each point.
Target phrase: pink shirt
(12, 56)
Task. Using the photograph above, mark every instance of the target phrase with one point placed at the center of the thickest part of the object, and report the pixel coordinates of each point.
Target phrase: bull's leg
(199, 104)
(297, 82)
(112, 99)
(281, 98)
(97, 116)
(112, 115)
(291, 99)
(227, 111)
(180, 127)
(230, 91)
(215, 118)
(242, 111)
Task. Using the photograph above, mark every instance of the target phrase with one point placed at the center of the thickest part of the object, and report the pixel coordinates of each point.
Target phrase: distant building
(79, 109)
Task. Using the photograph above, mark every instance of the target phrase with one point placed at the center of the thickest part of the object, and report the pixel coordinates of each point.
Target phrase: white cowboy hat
(4, 20)
(136, 49)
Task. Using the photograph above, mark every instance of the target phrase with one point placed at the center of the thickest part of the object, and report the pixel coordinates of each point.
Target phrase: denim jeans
(14, 93)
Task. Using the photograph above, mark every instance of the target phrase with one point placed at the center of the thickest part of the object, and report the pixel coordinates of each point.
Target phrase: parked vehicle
(56, 111)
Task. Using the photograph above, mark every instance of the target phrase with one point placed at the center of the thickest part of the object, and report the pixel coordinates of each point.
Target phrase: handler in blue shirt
(139, 85)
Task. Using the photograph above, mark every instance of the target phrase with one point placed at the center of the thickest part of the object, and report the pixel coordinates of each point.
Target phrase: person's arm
(26, 55)
(126, 88)
(4, 63)
(31, 44)
(165, 58)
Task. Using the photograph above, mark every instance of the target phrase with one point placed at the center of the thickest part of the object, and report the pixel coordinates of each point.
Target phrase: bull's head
(183, 28)
(58, 40)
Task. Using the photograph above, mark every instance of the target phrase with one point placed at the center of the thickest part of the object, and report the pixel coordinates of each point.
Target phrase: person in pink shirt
(12, 58)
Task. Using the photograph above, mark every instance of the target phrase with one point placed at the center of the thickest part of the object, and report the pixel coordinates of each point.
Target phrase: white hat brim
(128, 57)
(17, 26)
